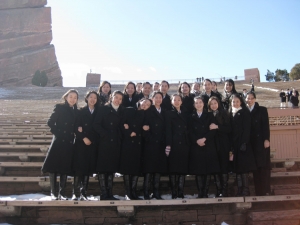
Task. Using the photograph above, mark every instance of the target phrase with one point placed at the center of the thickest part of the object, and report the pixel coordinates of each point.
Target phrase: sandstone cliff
(25, 37)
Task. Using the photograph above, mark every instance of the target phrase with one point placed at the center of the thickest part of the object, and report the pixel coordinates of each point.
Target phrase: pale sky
(173, 40)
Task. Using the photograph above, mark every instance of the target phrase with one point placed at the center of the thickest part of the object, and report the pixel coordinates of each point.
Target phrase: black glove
(243, 147)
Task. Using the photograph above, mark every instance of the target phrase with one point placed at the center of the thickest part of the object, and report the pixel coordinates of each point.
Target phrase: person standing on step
(107, 125)
(243, 156)
(104, 92)
(223, 127)
(282, 96)
(177, 145)
(86, 145)
(166, 102)
(260, 142)
(229, 89)
(131, 152)
(184, 90)
(59, 157)
(145, 92)
(203, 159)
(214, 88)
(196, 89)
(154, 157)
(129, 93)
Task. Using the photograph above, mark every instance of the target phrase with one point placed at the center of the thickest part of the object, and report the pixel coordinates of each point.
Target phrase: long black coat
(177, 138)
(60, 153)
(131, 152)
(154, 157)
(85, 156)
(243, 161)
(107, 124)
(282, 96)
(260, 131)
(127, 103)
(166, 102)
(188, 102)
(203, 159)
(222, 140)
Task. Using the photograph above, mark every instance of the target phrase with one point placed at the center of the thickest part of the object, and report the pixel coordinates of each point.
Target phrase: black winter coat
(294, 100)
(260, 131)
(60, 153)
(203, 159)
(107, 124)
(127, 103)
(282, 96)
(154, 157)
(177, 138)
(243, 161)
(166, 103)
(188, 102)
(85, 156)
(131, 151)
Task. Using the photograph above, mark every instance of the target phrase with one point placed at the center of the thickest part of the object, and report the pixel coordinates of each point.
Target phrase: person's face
(138, 88)
(185, 89)
(196, 87)
(214, 105)
(146, 89)
(145, 104)
(250, 100)
(157, 100)
(228, 86)
(213, 86)
(198, 104)
(176, 102)
(164, 88)
(156, 87)
(236, 103)
(117, 99)
(71, 98)
(207, 86)
(106, 88)
(92, 100)
(130, 89)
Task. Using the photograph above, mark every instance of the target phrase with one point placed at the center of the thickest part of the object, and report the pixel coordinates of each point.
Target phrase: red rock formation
(25, 37)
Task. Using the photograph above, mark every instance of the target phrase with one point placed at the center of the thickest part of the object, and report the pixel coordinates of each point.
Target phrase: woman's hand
(167, 150)
(145, 127)
(201, 141)
(213, 126)
(133, 134)
(266, 143)
(87, 141)
(126, 126)
(80, 129)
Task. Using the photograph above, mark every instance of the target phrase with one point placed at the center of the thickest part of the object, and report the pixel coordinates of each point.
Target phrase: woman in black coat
(215, 90)
(59, 156)
(229, 89)
(184, 90)
(104, 92)
(85, 149)
(260, 142)
(129, 93)
(107, 124)
(154, 157)
(243, 156)
(223, 127)
(166, 102)
(177, 145)
(145, 93)
(131, 152)
(203, 156)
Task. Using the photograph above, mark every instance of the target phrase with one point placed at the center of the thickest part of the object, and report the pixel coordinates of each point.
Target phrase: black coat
(138, 97)
(154, 157)
(203, 159)
(243, 161)
(60, 153)
(85, 156)
(294, 100)
(222, 140)
(188, 102)
(131, 152)
(177, 138)
(127, 103)
(107, 124)
(226, 100)
(166, 102)
(260, 131)
(282, 96)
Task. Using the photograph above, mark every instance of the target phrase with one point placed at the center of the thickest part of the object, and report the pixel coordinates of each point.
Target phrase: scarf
(115, 107)
(235, 110)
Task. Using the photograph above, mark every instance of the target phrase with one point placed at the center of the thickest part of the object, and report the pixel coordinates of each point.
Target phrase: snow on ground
(269, 89)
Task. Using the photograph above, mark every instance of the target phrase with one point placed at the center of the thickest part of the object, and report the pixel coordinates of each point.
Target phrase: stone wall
(25, 37)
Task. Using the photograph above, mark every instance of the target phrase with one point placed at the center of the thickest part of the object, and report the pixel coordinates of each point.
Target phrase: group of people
(140, 132)
(289, 98)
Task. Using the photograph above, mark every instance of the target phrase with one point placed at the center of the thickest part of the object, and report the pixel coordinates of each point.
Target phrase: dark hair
(207, 80)
(164, 81)
(179, 87)
(102, 84)
(251, 93)
(156, 83)
(143, 99)
(157, 92)
(125, 92)
(145, 83)
(174, 95)
(117, 92)
(138, 83)
(202, 99)
(230, 81)
(222, 116)
(88, 95)
(214, 82)
(240, 97)
(65, 95)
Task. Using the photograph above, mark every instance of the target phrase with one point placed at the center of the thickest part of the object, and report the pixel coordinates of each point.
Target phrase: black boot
(218, 185)
(239, 185)
(102, 184)
(84, 188)
(62, 186)
(200, 181)
(110, 181)
(172, 179)
(53, 183)
(75, 188)
(181, 180)
(146, 186)
(206, 186)
(156, 182)
(225, 185)
(134, 180)
(127, 185)
(245, 182)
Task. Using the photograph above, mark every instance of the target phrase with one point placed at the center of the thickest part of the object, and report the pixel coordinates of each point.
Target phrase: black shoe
(134, 180)
(217, 182)
(172, 179)
(224, 192)
(245, 182)
(239, 185)
(102, 185)
(53, 184)
(156, 183)
(146, 186)
(110, 178)
(181, 180)
(200, 179)
(62, 186)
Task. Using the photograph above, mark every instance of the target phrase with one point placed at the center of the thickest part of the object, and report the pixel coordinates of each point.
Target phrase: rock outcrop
(25, 43)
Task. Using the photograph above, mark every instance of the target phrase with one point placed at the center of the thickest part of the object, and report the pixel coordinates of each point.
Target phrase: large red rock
(12, 4)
